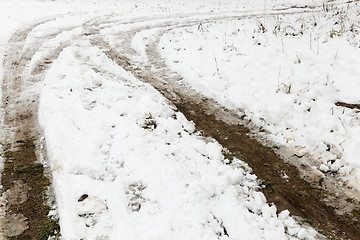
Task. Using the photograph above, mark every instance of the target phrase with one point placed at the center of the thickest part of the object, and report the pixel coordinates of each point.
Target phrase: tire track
(26, 183)
(25, 195)
(229, 128)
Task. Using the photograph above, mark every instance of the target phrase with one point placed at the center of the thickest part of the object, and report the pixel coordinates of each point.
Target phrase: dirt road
(26, 176)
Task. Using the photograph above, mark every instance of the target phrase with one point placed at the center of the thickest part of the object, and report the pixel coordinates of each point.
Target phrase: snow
(286, 72)
(145, 172)
(22, 14)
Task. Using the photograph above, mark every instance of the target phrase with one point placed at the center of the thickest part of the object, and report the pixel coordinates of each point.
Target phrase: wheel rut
(26, 191)
(24, 178)
(283, 184)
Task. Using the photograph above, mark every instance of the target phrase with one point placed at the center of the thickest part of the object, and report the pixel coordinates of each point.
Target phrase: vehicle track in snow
(27, 210)
(303, 199)
(26, 190)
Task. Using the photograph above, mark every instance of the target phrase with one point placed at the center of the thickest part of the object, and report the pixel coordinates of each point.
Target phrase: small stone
(83, 197)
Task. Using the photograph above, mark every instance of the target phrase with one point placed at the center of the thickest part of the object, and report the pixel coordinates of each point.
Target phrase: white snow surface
(286, 72)
(146, 173)
(126, 165)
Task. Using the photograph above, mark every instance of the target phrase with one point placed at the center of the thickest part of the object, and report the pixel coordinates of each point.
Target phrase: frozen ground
(147, 174)
(126, 163)
(286, 73)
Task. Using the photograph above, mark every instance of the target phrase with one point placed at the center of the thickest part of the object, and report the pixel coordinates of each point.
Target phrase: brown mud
(25, 181)
(292, 193)
(25, 187)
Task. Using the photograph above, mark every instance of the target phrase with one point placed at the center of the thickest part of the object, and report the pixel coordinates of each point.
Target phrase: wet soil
(25, 186)
(25, 182)
(292, 193)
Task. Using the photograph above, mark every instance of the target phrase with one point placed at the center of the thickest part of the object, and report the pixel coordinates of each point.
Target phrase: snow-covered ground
(125, 163)
(286, 72)
(146, 173)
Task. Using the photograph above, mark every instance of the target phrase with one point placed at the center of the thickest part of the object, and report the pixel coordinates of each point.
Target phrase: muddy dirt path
(26, 193)
(293, 193)
(314, 202)
(26, 182)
